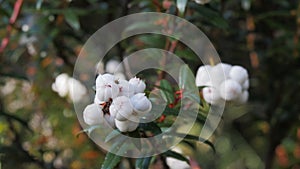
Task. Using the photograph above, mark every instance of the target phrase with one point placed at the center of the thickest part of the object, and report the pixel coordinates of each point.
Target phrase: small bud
(121, 108)
(140, 103)
(230, 90)
(239, 74)
(125, 88)
(93, 115)
(106, 90)
(138, 85)
(104, 78)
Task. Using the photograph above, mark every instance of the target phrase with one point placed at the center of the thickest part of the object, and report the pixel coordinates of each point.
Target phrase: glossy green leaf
(137, 142)
(167, 91)
(111, 161)
(187, 84)
(176, 155)
(152, 127)
(88, 130)
(112, 135)
(195, 138)
(72, 19)
(143, 163)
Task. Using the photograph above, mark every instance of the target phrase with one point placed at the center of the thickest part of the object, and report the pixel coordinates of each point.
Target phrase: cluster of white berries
(67, 86)
(120, 102)
(224, 82)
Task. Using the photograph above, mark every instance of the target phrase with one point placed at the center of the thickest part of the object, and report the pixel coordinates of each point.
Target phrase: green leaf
(181, 5)
(176, 155)
(187, 84)
(209, 15)
(111, 161)
(112, 135)
(155, 41)
(195, 138)
(72, 19)
(137, 142)
(152, 127)
(167, 92)
(88, 130)
(170, 111)
(143, 163)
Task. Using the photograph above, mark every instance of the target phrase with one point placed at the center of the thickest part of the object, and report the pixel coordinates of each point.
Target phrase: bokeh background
(41, 39)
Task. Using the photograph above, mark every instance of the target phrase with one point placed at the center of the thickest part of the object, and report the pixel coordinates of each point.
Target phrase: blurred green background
(42, 38)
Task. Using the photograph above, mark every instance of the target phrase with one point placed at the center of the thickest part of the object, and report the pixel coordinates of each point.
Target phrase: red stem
(12, 20)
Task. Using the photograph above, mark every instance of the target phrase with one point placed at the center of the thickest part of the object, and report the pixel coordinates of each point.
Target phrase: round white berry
(121, 108)
(230, 90)
(219, 73)
(140, 103)
(119, 76)
(138, 85)
(211, 94)
(225, 68)
(202, 76)
(246, 85)
(60, 85)
(93, 115)
(239, 74)
(113, 66)
(76, 90)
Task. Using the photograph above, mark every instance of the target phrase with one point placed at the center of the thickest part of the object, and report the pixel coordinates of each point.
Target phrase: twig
(12, 20)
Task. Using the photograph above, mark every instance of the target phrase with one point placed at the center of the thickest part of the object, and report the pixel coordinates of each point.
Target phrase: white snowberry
(239, 74)
(211, 95)
(93, 115)
(121, 108)
(60, 84)
(202, 76)
(113, 66)
(76, 90)
(140, 103)
(246, 85)
(138, 85)
(230, 90)
(219, 73)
